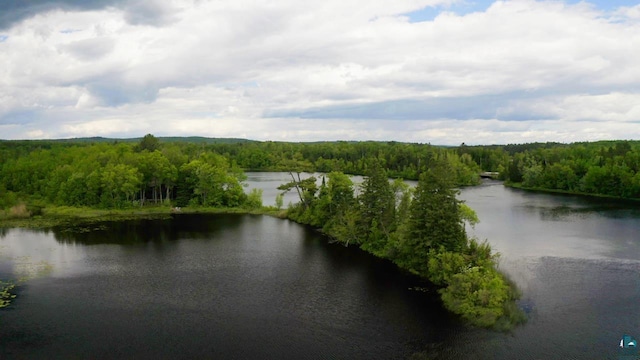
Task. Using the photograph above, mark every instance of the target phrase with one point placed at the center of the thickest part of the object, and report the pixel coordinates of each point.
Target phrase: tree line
(124, 174)
(401, 160)
(109, 173)
(610, 168)
(120, 175)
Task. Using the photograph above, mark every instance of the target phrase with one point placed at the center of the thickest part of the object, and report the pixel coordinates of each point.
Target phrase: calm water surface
(224, 286)
(577, 262)
(244, 287)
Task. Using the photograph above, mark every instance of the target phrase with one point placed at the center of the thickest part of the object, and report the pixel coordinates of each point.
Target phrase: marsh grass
(19, 211)
(52, 216)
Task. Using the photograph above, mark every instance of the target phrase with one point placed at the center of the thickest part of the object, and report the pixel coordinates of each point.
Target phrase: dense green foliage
(118, 175)
(600, 168)
(422, 231)
(94, 172)
(610, 168)
(400, 160)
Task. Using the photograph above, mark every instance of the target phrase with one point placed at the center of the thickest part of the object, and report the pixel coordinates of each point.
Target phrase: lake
(246, 287)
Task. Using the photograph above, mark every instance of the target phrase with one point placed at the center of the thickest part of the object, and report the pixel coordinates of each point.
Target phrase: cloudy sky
(428, 71)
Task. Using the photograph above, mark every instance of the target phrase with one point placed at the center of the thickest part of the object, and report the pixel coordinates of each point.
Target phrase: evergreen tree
(149, 143)
(435, 219)
(377, 209)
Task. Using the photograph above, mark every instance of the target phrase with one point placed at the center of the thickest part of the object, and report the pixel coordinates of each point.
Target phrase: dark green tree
(435, 220)
(149, 143)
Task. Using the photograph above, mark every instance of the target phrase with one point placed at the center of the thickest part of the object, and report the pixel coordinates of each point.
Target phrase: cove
(210, 286)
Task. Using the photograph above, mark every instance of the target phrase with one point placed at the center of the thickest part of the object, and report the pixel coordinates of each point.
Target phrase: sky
(427, 71)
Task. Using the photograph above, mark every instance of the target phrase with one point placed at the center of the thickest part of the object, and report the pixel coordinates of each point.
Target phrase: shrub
(478, 295)
(254, 199)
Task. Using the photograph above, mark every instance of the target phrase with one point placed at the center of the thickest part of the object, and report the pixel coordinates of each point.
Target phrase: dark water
(224, 286)
(252, 287)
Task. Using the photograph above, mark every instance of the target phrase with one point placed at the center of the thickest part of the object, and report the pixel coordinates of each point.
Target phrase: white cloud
(214, 68)
(612, 107)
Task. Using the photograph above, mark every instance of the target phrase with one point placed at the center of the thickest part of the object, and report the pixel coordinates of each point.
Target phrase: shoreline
(570, 193)
(61, 216)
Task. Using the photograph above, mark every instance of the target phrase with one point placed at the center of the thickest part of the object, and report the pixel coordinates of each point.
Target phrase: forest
(132, 174)
(604, 168)
(108, 173)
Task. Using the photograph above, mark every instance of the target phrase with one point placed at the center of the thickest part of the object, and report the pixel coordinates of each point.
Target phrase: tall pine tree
(435, 220)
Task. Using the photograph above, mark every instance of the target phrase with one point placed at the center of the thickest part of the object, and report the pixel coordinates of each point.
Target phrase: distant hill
(167, 139)
(201, 140)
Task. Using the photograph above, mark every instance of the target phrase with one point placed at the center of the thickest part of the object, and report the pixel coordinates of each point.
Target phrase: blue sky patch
(461, 8)
(3, 38)
(607, 5)
(427, 14)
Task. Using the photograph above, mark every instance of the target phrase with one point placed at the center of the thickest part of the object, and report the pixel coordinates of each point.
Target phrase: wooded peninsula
(422, 229)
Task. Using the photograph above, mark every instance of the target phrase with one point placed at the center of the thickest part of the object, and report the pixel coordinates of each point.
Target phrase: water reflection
(141, 231)
(581, 209)
(524, 224)
(256, 287)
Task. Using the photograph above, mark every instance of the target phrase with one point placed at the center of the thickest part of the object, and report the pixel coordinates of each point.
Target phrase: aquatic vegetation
(25, 270)
(5, 293)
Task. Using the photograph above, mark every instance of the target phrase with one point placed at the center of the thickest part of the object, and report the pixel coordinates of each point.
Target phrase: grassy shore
(52, 216)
